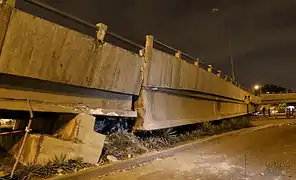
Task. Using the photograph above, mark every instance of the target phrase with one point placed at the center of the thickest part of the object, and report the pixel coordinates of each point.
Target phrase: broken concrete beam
(78, 128)
(39, 149)
(30, 149)
(65, 127)
(77, 139)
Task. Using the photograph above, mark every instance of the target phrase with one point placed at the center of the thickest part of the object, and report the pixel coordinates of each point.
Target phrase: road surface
(264, 154)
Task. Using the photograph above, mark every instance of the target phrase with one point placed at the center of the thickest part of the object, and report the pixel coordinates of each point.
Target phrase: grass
(60, 164)
(123, 145)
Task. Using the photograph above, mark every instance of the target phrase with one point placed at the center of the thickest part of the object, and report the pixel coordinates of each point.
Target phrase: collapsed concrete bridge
(66, 72)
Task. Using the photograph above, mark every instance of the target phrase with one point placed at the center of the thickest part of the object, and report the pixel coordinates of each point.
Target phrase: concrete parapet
(57, 53)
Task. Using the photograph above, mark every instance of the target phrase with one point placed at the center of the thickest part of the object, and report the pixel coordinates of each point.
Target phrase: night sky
(263, 31)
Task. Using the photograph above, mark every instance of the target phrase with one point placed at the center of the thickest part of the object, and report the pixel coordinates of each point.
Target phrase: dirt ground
(264, 154)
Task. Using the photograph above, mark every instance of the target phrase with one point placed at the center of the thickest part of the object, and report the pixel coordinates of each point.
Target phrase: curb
(122, 165)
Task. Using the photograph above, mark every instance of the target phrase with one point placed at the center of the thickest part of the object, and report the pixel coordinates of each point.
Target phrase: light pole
(214, 10)
(230, 53)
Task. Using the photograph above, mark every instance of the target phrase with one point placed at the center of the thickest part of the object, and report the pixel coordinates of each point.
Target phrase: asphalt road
(264, 154)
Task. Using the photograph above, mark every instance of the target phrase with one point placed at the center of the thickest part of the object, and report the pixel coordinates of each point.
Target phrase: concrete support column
(101, 33)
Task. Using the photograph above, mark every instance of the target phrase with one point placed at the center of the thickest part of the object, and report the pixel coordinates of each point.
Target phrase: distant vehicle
(256, 113)
(290, 108)
(290, 111)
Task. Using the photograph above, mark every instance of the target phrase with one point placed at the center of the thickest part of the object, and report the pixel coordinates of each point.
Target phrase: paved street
(264, 154)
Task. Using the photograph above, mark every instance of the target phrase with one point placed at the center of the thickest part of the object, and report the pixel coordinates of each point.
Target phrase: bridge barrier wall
(165, 70)
(165, 109)
(35, 48)
(5, 12)
(278, 98)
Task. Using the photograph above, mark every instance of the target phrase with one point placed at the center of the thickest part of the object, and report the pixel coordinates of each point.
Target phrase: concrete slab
(75, 138)
(41, 148)
(79, 128)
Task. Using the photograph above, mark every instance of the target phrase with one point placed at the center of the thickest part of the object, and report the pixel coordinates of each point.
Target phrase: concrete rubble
(74, 136)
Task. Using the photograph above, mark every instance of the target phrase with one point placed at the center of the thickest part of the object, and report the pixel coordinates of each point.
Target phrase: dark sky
(263, 31)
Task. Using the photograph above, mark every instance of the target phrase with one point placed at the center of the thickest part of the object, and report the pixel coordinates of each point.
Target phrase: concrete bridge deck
(278, 98)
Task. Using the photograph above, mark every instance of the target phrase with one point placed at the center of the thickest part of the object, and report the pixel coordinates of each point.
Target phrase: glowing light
(256, 87)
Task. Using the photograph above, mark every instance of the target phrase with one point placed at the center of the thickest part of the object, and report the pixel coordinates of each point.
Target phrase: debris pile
(122, 145)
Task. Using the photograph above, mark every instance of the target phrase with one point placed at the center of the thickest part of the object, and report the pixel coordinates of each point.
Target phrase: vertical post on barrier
(219, 73)
(178, 54)
(141, 52)
(226, 78)
(101, 33)
(196, 63)
(210, 68)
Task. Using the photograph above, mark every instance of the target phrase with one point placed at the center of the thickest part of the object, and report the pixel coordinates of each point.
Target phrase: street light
(214, 10)
(257, 88)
